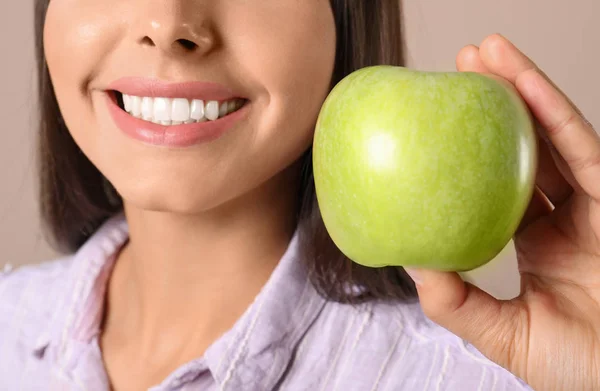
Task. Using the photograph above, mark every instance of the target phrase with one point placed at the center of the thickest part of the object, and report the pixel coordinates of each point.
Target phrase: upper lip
(153, 88)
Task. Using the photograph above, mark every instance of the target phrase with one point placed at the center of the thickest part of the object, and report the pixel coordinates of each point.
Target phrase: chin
(171, 199)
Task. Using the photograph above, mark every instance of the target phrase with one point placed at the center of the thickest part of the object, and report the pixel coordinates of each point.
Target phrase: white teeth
(197, 110)
(162, 109)
(223, 109)
(166, 111)
(127, 103)
(136, 106)
(211, 111)
(147, 108)
(181, 110)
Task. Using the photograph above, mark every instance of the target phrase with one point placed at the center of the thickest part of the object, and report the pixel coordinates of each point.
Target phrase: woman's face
(276, 55)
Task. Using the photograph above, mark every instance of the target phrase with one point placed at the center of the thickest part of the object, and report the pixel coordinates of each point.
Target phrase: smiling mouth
(176, 111)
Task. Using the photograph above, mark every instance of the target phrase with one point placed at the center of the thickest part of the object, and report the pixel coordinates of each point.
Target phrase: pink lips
(178, 135)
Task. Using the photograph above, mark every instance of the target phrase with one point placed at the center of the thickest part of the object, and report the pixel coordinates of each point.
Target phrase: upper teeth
(167, 111)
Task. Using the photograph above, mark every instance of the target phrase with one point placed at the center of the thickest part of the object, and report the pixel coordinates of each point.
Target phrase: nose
(176, 27)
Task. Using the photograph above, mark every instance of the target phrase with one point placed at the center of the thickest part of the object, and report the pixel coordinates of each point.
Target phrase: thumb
(470, 313)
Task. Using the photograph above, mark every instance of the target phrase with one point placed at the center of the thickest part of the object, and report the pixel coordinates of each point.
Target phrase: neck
(186, 274)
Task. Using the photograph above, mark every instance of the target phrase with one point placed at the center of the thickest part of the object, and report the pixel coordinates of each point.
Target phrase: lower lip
(180, 136)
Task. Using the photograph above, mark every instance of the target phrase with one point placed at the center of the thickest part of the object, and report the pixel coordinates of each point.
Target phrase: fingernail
(414, 274)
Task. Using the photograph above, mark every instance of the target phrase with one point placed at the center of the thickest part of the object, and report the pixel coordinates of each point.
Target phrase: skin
(208, 223)
(227, 200)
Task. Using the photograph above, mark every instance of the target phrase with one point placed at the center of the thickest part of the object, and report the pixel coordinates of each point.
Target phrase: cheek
(77, 36)
(291, 54)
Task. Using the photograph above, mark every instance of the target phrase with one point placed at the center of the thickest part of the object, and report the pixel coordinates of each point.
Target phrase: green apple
(423, 169)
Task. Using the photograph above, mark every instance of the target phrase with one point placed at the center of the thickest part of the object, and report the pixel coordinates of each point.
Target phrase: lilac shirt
(290, 338)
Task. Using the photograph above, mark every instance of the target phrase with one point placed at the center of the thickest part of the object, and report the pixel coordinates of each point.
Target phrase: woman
(175, 175)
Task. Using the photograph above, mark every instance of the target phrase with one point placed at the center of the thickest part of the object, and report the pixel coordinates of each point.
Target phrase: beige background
(560, 35)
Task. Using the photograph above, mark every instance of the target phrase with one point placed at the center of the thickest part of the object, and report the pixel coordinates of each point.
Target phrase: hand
(549, 336)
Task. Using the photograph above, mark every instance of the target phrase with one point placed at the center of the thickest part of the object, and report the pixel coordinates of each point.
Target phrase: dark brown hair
(75, 198)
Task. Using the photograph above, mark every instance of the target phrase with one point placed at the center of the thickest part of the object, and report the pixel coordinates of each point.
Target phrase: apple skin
(424, 169)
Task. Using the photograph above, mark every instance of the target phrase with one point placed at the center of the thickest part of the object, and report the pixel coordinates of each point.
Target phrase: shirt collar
(259, 346)
(80, 305)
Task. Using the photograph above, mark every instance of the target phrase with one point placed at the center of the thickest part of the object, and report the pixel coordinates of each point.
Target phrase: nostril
(187, 44)
(147, 41)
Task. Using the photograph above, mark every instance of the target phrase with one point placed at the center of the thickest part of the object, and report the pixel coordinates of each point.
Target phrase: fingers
(571, 135)
(503, 58)
(468, 60)
(467, 311)
(506, 60)
(553, 177)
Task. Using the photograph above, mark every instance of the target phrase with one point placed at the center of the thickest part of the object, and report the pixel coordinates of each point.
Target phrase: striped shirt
(290, 338)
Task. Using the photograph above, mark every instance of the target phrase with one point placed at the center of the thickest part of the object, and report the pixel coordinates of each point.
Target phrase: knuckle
(444, 306)
(585, 163)
(559, 126)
